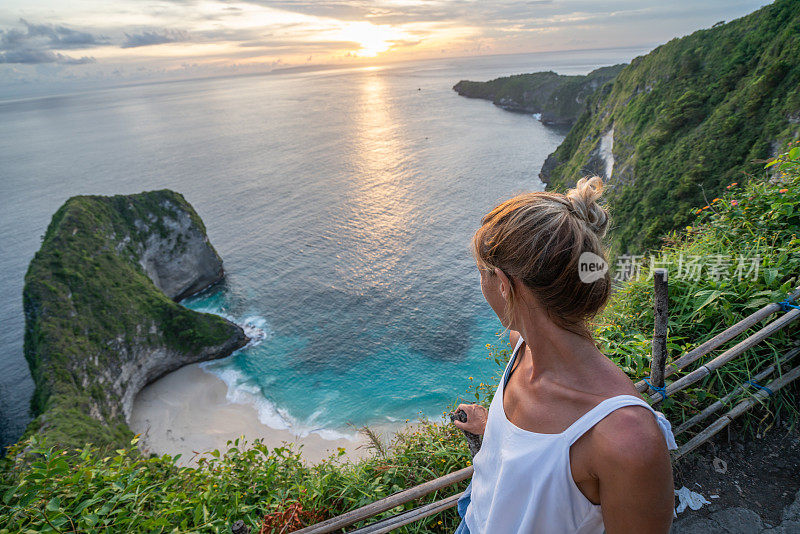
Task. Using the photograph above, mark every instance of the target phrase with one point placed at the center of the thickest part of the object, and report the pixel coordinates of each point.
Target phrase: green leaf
(770, 274)
(82, 506)
(54, 504)
(9, 494)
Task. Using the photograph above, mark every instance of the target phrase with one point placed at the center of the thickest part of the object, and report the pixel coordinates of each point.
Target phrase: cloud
(61, 37)
(36, 44)
(411, 11)
(150, 38)
(35, 57)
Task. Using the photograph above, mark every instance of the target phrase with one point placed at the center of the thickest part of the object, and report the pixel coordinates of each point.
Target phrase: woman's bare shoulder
(629, 431)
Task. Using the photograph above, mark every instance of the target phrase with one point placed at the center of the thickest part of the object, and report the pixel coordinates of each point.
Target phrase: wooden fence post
(661, 315)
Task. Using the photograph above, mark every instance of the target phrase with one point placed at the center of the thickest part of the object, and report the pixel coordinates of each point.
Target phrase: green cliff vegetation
(54, 489)
(560, 99)
(687, 119)
(95, 322)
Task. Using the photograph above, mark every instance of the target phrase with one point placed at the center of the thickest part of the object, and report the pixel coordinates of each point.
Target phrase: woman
(569, 446)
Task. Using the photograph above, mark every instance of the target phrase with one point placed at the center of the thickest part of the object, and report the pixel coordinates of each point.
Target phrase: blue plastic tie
(787, 305)
(759, 386)
(662, 390)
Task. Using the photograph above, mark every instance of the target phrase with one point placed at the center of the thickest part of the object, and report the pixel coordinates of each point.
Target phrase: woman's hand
(476, 418)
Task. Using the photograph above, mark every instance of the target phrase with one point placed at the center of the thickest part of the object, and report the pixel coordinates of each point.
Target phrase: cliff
(559, 99)
(101, 320)
(682, 122)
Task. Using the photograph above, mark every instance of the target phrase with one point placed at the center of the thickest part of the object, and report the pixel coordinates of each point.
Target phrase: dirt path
(753, 485)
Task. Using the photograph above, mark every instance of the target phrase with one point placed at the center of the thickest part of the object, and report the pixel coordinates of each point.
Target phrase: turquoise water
(373, 378)
(341, 201)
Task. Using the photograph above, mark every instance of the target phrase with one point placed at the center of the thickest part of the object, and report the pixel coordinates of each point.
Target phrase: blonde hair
(538, 238)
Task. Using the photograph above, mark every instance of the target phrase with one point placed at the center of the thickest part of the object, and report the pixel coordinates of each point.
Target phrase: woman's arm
(634, 474)
(477, 414)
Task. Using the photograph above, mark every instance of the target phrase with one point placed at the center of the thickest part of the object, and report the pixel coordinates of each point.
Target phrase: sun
(373, 39)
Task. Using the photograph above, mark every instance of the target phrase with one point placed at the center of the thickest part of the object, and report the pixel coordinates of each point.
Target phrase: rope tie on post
(787, 305)
(657, 389)
(759, 386)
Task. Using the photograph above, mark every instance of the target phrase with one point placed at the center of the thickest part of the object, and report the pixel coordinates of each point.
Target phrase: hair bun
(583, 199)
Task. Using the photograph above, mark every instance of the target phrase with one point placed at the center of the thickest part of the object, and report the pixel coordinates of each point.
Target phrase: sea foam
(241, 390)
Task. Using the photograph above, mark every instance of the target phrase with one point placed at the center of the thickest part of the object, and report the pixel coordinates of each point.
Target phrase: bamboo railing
(658, 373)
(721, 403)
(719, 340)
(738, 410)
(748, 343)
(392, 501)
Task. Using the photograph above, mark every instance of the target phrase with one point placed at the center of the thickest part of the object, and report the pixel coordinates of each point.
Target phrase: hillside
(559, 99)
(685, 120)
(100, 320)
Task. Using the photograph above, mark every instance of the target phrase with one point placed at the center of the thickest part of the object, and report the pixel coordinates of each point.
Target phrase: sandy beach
(186, 412)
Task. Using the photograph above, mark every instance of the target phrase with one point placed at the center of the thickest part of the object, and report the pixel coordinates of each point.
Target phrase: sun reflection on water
(381, 204)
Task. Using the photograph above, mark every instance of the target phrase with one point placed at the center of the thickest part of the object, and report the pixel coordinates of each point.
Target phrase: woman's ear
(505, 283)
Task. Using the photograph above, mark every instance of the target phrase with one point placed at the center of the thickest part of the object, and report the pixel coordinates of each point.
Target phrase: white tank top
(523, 481)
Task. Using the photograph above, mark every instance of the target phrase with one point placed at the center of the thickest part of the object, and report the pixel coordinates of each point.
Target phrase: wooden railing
(657, 394)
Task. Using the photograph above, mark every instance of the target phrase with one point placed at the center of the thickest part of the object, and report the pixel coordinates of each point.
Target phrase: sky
(51, 42)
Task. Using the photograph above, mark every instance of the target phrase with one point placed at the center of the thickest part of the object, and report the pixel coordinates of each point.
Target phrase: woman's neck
(557, 353)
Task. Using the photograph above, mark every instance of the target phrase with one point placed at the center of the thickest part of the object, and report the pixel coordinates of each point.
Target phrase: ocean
(342, 202)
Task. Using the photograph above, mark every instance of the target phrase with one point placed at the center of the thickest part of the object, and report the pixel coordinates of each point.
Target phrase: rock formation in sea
(101, 313)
